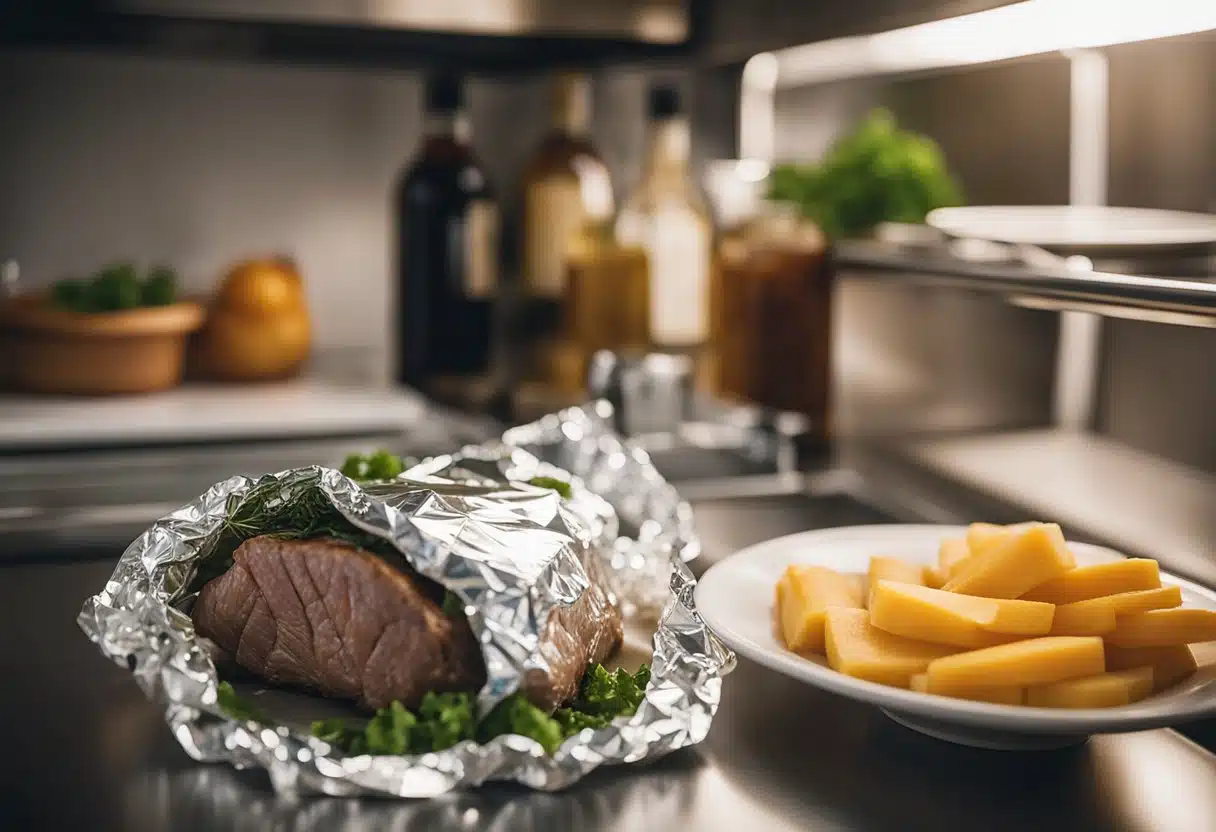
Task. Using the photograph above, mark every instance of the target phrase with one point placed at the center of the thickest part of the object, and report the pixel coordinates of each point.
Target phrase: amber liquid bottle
(566, 187)
(447, 250)
(774, 328)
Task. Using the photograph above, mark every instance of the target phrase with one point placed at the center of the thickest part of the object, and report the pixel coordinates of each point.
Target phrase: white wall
(200, 164)
(108, 157)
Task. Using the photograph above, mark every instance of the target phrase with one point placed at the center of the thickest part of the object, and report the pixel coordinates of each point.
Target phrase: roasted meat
(346, 623)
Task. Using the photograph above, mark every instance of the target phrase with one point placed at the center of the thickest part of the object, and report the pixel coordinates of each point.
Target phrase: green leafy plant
(879, 173)
(116, 287)
(159, 287)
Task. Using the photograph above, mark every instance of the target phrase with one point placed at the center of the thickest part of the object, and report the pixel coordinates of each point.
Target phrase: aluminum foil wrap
(511, 552)
(658, 525)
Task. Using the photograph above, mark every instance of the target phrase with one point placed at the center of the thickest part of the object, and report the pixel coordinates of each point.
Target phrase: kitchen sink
(729, 524)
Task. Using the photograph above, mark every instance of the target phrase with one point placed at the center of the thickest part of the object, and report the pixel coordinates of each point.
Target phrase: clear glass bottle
(667, 217)
(447, 226)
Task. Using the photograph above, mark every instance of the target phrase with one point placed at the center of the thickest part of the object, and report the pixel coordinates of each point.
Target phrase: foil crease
(659, 523)
(432, 515)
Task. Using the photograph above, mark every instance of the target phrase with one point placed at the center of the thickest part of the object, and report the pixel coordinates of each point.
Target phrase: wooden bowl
(53, 350)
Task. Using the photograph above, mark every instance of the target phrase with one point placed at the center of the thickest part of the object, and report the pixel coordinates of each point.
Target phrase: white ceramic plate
(735, 597)
(1078, 229)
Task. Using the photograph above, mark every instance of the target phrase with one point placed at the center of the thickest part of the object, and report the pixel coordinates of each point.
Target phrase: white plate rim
(1156, 712)
(1004, 223)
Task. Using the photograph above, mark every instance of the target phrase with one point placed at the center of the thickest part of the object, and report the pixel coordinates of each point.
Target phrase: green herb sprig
(553, 483)
(295, 511)
(443, 720)
(378, 465)
(237, 706)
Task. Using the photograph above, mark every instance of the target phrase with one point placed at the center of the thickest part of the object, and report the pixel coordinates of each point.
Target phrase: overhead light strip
(1031, 27)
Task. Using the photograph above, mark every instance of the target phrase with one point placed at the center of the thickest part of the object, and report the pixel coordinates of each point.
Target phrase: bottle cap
(444, 93)
(664, 102)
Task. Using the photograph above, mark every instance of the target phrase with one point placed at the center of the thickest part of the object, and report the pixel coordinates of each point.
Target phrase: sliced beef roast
(323, 615)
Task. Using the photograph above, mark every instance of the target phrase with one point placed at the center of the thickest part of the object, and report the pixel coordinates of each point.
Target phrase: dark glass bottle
(447, 250)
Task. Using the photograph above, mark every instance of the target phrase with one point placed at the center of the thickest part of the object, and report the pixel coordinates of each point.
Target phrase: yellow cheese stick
(1086, 582)
(1036, 661)
(856, 648)
(894, 569)
(1097, 615)
(950, 555)
(999, 696)
(803, 595)
(1161, 628)
(1170, 664)
(925, 614)
(1106, 690)
(1014, 564)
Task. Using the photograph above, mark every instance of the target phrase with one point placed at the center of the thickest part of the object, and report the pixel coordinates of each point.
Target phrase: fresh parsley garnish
(236, 706)
(295, 511)
(516, 715)
(453, 607)
(443, 720)
(560, 486)
(378, 465)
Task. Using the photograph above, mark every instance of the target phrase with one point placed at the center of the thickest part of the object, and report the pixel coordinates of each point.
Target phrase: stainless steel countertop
(86, 750)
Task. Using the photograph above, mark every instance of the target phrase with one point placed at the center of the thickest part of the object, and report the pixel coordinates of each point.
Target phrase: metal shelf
(538, 37)
(1186, 302)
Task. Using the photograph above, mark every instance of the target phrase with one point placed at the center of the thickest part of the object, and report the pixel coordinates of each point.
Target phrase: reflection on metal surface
(654, 21)
(214, 797)
(1141, 504)
(1144, 776)
(1110, 310)
(1153, 293)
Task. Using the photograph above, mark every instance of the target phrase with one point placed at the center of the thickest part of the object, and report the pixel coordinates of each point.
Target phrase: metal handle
(604, 382)
(10, 274)
(648, 394)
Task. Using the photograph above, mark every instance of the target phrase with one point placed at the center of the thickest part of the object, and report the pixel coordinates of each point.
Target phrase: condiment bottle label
(553, 215)
(481, 229)
(678, 248)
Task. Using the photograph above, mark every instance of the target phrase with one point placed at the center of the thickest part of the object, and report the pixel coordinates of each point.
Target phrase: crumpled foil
(660, 530)
(511, 552)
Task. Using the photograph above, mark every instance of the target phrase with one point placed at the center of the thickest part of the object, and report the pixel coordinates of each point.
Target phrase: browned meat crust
(322, 615)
